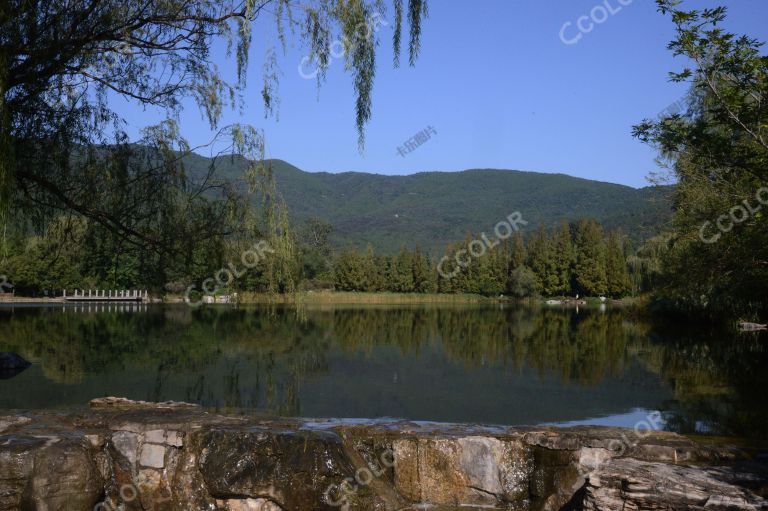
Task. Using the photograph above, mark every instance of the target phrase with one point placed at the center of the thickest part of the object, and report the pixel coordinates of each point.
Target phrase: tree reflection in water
(469, 363)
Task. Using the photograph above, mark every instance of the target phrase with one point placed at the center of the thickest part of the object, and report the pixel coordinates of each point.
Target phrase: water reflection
(11, 365)
(464, 364)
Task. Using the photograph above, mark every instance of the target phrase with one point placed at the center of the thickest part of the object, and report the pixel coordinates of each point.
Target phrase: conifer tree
(590, 253)
(499, 259)
(521, 282)
(349, 272)
(518, 255)
(541, 262)
(563, 259)
(423, 277)
(465, 280)
(401, 272)
(373, 268)
(446, 270)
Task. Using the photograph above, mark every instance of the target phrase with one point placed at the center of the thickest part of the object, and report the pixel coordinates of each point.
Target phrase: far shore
(351, 298)
(362, 298)
(25, 299)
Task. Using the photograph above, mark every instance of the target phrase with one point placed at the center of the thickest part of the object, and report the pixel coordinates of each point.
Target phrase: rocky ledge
(124, 455)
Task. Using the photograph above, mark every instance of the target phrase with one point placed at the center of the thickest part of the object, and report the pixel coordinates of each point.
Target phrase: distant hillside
(431, 209)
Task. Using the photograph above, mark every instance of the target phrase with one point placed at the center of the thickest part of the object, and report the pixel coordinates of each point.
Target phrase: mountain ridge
(430, 209)
(460, 171)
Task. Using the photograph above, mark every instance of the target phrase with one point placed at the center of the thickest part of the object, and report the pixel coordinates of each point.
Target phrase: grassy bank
(334, 297)
(23, 299)
(383, 298)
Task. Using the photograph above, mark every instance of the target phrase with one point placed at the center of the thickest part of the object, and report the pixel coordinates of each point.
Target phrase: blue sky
(496, 82)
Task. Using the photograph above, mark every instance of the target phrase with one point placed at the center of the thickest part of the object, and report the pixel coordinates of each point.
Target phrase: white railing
(108, 295)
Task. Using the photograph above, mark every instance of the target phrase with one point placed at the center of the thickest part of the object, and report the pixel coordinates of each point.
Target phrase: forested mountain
(432, 209)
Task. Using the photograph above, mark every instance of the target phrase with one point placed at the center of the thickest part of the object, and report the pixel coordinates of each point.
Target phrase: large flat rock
(135, 456)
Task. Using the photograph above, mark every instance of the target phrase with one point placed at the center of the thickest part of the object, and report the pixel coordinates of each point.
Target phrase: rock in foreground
(173, 457)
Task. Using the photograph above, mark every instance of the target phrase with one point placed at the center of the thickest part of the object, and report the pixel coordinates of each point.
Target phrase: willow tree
(716, 152)
(63, 66)
(616, 270)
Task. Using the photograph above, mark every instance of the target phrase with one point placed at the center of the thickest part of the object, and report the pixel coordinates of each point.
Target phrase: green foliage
(616, 271)
(282, 260)
(350, 272)
(590, 256)
(717, 152)
(645, 266)
(522, 282)
(562, 245)
(550, 269)
(399, 273)
(433, 209)
(316, 250)
(518, 254)
(406, 272)
(64, 148)
(424, 280)
(541, 260)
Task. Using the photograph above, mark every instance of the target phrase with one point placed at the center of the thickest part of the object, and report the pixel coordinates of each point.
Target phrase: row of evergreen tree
(575, 258)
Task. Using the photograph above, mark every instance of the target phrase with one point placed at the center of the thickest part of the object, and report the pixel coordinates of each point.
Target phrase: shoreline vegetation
(362, 298)
(330, 297)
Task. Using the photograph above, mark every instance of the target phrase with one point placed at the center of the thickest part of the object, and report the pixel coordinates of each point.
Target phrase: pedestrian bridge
(107, 295)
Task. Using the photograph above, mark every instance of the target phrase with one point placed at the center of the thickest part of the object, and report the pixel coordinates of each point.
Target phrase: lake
(493, 364)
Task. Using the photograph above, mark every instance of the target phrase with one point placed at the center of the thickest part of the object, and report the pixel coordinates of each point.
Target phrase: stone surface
(174, 438)
(248, 505)
(627, 483)
(469, 471)
(152, 456)
(47, 473)
(179, 458)
(155, 436)
(126, 444)
(9, 420)
(122, 403)
(292, 468)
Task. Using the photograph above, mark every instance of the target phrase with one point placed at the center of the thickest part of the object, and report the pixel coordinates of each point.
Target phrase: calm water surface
(492, 364)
